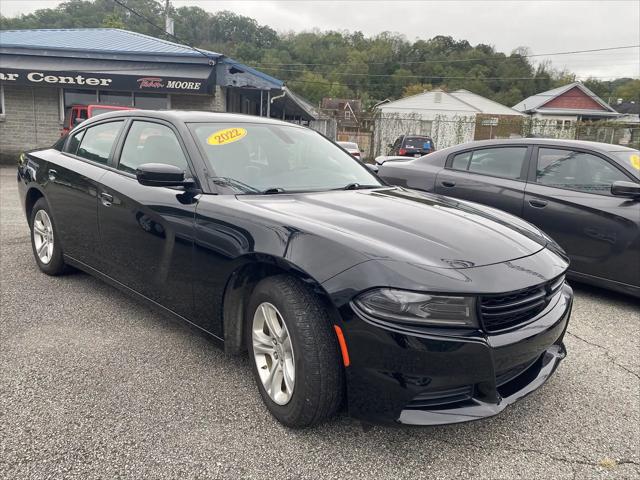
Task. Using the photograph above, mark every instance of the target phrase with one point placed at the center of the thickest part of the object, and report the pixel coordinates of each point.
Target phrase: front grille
(501, 312)
(442, 397)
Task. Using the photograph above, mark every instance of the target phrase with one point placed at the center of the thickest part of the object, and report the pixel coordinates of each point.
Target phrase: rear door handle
(537, 203)
(52, 175)
(448, 183)
(106, 199)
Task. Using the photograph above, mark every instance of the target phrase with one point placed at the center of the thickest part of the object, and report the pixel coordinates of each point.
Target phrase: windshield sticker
(635, 161)
(228, 135)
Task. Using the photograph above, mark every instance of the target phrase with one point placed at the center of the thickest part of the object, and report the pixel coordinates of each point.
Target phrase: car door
(147, 232)
(493, 176)
(569, 197)
(73, 179)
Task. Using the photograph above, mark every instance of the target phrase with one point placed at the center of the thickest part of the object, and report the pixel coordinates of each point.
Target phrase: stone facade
(31, 120)
(209, 103)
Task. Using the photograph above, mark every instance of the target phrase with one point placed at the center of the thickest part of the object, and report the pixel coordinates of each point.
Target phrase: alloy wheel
(43, 236)
(273, 353)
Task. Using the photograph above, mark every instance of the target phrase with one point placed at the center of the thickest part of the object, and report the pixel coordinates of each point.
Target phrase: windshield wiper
(357, 186)
(232, 182)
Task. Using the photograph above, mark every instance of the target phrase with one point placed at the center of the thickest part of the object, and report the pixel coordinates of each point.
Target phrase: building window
(151, 101)
(347, 115)
(79, 97)
(1, 102)
(121, 99)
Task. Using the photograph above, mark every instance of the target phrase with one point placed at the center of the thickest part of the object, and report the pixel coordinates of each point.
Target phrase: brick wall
(574, 99)
(208, 103)
(31, 120)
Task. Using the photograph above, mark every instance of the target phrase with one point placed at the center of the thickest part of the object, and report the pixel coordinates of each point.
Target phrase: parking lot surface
(96, 385)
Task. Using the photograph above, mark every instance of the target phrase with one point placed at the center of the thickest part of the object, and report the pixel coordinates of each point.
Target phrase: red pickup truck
(77, 114)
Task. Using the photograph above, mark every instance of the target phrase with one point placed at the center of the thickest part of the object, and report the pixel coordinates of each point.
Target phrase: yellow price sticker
(635, 161)
(228, 135)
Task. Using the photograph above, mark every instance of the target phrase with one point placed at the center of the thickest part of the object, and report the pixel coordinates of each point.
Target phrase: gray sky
(543, 26)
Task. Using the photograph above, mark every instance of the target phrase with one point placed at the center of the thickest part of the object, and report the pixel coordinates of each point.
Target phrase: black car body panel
(600, 232)
(193, 253)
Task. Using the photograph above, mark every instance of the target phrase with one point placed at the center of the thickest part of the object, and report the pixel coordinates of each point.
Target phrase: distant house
(449, 118)
(569, 103)
(346, 111)
(352, 124)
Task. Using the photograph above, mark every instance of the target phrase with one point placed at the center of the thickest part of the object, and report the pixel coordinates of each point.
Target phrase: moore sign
(104, 81)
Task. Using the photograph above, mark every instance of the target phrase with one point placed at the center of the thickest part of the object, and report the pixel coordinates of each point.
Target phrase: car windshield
(628, 157)
(418, 142)
(270, 158)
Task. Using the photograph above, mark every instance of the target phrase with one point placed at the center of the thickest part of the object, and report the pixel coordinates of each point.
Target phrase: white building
(449, 118)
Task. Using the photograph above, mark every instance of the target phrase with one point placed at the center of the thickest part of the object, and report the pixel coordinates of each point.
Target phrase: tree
(333, 63)
(416, 88)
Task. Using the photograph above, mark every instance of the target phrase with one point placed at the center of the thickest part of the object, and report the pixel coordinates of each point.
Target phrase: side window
(503, 162)
(576, 171)
(149, 142)
(461, 161)
(97, 141)
(74, 142)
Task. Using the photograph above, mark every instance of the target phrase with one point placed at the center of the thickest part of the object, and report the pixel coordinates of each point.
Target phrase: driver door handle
(537, 203)
(448, 183)
(106, 199)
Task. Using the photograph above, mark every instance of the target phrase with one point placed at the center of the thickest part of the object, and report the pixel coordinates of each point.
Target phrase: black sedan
(585, 195)
(402, 306)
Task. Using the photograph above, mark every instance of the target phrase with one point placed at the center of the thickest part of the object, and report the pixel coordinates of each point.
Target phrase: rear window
(418, 142)
(97, 142)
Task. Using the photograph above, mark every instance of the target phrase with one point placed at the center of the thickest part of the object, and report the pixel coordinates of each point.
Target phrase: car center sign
(106, 81)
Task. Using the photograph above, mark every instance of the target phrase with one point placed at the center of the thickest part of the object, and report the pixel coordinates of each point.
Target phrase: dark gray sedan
(585, 195)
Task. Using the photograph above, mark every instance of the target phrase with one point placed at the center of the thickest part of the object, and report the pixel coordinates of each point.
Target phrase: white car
(352, 148)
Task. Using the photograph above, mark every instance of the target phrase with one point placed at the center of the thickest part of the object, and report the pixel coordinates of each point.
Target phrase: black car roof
(185, 116)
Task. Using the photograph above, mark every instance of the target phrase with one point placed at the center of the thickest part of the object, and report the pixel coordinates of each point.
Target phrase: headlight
(418, 308)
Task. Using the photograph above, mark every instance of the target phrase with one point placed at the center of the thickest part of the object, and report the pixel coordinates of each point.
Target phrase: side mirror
(162, 175)
(625, 189)
(372, 167)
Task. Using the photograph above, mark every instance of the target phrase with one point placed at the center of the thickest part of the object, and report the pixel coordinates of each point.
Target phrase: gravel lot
(95, 385)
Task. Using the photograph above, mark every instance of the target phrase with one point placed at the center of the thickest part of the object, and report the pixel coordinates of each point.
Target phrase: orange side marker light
(343, 346)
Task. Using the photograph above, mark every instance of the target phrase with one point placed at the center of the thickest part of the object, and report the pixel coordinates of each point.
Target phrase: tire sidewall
(287, 413)
(56, 264)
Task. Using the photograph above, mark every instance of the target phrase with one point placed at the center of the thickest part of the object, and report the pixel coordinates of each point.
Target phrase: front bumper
(438, 376)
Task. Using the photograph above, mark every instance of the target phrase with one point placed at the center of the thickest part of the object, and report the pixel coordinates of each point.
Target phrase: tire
(43, 230)
(318, 379)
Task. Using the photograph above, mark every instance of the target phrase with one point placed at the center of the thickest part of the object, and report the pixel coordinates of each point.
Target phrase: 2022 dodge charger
(402, 307)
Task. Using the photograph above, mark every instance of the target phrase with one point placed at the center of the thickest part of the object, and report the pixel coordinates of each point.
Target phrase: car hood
(405, 225)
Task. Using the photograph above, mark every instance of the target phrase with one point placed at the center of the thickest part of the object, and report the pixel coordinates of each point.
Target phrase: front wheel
(294, 352)
(44, 240)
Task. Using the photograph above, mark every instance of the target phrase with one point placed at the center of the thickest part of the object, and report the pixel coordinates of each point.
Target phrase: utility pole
(168, 21)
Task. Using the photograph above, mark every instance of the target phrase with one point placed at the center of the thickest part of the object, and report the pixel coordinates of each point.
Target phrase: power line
(146, 19)
(461, 60)
(329, 83)
(384, 75)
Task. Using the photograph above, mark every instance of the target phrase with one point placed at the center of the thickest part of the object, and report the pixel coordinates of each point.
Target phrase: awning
(288, 105)
(230, 73)
(154, 77)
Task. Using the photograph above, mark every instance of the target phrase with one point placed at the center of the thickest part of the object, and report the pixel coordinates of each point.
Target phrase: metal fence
(447, 131)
